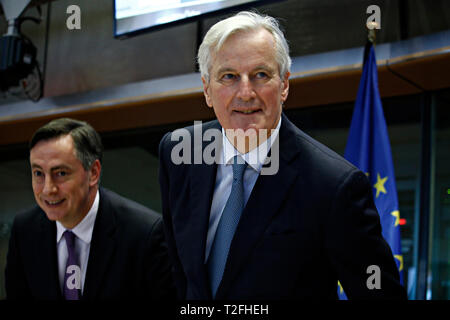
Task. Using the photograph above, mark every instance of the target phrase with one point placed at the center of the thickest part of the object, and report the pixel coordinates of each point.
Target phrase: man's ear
(206, 92)
(94, 173)
(285, 87)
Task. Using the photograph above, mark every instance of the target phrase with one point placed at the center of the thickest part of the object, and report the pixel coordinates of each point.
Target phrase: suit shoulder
(168, 141)
(29, 217)
(28, 223)
(325, 166)
(128, 211)
(180, 143)
(320, 152)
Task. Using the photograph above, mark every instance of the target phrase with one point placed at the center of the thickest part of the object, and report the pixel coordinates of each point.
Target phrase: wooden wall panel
(430, 72)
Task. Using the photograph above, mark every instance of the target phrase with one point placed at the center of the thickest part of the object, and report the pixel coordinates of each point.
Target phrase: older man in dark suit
(238, 231)
(82, 241)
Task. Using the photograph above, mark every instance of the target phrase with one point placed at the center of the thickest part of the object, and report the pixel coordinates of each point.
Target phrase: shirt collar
(256, 157)
(82, 230)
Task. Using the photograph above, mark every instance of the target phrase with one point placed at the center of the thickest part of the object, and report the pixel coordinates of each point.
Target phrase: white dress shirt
(224, 179)
(83, 233)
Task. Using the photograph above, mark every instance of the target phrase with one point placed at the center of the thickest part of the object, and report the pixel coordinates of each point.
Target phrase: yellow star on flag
(399, 257)
(380, 185)
(340, 287)
(396, 214)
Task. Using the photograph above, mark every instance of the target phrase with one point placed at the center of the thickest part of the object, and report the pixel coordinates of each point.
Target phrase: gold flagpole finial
(372, 27)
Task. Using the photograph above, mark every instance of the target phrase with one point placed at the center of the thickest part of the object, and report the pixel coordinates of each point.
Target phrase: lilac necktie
(72, 275)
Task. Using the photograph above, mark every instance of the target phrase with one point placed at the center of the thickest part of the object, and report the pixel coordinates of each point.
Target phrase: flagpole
(368, 148)
(371, 38)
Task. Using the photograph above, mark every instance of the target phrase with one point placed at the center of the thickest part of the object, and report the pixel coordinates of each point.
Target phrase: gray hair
(243, 21)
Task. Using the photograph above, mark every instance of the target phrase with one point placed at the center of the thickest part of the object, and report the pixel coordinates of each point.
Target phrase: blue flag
(369, 149)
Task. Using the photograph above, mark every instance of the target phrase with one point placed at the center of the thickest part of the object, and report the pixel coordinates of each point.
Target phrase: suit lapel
(102, 248)
(46, 258)
(192, 226)
(265, 200)
(200, 206)
(203, 178)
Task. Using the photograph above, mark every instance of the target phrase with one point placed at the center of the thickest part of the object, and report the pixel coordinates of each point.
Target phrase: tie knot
(70, 238)
(238, 167)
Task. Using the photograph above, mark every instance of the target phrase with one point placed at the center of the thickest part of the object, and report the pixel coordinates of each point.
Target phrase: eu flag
(369, 149)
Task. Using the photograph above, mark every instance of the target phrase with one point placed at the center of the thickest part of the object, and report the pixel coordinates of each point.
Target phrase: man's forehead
(245, 35)
(58, 147)
(243, 39)
(62, 141)
(67, 163)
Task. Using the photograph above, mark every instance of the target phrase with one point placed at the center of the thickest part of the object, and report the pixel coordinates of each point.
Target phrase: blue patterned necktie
(227, 226)
(72, 275)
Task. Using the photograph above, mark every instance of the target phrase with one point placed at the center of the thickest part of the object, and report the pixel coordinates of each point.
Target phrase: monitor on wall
(132, 17)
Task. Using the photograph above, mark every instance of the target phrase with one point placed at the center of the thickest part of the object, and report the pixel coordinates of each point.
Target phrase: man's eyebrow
(60, 167)
(263, 67)
(36, 166)
(259, 67)
(224, 69)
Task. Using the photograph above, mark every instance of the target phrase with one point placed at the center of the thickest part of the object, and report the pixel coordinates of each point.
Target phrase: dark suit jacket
(127, 259)
(307, 226)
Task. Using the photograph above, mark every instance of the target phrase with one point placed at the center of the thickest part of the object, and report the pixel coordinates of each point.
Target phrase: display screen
(135, 16)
